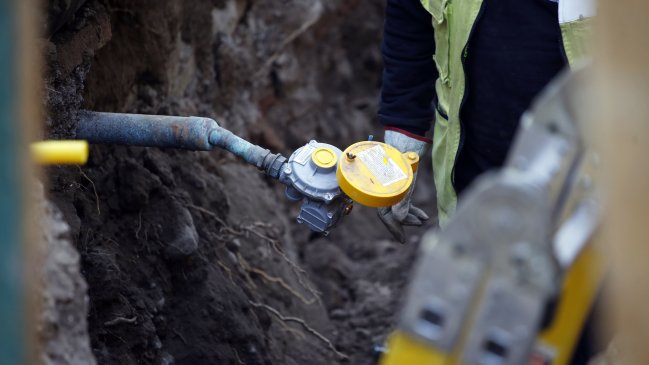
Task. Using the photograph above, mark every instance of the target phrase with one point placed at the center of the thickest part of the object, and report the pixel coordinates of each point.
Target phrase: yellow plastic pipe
(60, 152)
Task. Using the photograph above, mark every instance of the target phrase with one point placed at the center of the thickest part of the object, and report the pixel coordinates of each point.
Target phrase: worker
(470, 68)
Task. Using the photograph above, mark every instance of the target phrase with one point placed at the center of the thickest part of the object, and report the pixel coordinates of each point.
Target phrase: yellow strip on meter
(376, 174)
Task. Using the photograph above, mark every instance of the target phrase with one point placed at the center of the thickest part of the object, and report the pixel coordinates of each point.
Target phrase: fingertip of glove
(419, 213)
(412, 220)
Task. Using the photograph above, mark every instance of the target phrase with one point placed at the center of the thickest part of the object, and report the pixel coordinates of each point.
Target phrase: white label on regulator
(304, 155)
(382, 167)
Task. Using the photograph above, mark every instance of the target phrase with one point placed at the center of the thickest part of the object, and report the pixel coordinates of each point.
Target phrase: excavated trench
(194, 257)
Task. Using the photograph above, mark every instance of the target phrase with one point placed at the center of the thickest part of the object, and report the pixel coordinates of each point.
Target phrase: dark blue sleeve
(409, 70)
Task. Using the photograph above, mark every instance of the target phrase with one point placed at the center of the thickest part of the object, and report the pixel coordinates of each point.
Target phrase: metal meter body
(310, 176)
(328, 180)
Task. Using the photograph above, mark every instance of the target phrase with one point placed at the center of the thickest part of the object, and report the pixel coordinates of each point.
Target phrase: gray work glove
(403, 213)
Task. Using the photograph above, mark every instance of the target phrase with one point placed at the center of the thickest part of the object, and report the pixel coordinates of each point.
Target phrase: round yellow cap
(376, 174)
(324, 157)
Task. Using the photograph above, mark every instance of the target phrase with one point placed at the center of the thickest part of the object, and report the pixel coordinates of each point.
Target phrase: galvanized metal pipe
(251, 153)
(192, 133)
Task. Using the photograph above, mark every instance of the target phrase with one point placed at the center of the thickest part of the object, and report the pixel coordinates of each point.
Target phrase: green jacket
(453, 23)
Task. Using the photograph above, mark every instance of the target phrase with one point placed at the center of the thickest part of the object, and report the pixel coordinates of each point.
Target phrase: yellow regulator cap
(376, 174)
(324, 157)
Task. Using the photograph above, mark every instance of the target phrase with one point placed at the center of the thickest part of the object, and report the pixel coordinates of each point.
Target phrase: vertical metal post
(11, 282)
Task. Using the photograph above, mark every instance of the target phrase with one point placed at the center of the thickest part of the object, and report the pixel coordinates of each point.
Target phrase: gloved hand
(403, 213)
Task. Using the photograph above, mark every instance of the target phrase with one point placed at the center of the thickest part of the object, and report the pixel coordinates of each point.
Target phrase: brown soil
(194, 257)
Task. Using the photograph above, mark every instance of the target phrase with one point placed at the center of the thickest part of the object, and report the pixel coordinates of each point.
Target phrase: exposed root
(272, 242)
(274, 245)
(251, 229)
(304, 325)
(316, 12)
(294, 331)
(116, 336)
(224, 225)
(120, 320)
(236, 354)
(179, 336)
(241, 260)
(279, 281)
(97, 250)
(226, 269)
(297, 270)
(94, 189)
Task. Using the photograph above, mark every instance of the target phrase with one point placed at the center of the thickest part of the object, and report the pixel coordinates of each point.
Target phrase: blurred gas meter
(328, 180)
(325, 179)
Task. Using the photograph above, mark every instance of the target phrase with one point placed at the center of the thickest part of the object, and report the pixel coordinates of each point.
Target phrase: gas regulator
(328, 181)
